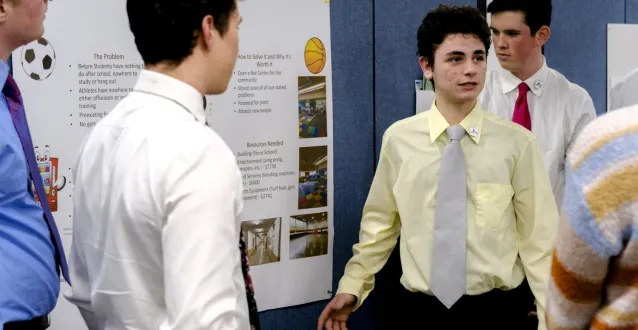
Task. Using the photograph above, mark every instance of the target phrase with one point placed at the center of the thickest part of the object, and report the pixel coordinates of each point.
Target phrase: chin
(506, 65)
(468, 97)
(216, 90)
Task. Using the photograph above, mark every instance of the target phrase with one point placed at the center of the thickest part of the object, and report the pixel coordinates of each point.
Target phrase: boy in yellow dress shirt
(465, 249)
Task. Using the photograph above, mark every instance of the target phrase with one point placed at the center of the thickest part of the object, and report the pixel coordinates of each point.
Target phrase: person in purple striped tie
(31, 253)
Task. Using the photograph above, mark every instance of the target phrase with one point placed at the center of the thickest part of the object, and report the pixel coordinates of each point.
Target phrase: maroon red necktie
(521, 110)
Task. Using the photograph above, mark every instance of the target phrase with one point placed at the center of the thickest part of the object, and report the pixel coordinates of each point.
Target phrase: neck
(454, 112)
(6, 48)
(185, 72)
(530, 69)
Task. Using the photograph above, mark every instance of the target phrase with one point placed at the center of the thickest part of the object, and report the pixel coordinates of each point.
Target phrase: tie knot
(523, 88)
(10, 87)
(455, 132)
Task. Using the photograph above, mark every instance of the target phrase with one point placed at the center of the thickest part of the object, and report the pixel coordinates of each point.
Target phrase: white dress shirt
(559, 110)
(156, 204)
(625, 92)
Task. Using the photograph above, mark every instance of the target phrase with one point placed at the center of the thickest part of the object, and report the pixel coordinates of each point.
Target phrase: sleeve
(80, 293)
(584, 113)
(380, 228)
(579, 264)
(204, 288)
(536, 221)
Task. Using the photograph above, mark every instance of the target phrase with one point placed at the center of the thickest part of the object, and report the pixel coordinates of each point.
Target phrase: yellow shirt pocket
(492, 201)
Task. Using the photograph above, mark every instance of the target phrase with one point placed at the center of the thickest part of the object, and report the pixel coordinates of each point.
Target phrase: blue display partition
(577, 46)
(631, 11)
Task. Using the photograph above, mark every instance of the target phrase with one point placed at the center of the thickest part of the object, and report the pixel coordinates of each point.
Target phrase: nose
(471, 68)
(499, 42)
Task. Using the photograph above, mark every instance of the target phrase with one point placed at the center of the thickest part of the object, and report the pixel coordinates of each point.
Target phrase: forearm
(537, 222)
(376, 242)
(535, 253)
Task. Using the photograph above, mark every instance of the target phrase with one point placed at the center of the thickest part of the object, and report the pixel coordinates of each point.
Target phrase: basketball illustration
(315, 55)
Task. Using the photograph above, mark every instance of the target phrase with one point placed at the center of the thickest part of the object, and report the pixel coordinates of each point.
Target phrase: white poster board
(622, 65)
(276, 116)
(492, 61)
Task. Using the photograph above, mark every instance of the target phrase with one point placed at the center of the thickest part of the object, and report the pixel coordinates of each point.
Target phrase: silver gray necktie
(447, 280)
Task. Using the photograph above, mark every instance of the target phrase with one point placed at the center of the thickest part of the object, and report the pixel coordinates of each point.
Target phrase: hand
(533, 313)
(336, 313)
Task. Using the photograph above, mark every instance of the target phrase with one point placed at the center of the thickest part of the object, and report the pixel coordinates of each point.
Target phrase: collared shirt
(156, 204)
(29, 282)
(510, 208)
(559, 110)
(625, 92)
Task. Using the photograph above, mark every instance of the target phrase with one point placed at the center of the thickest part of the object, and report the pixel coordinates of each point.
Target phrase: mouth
(468, 85)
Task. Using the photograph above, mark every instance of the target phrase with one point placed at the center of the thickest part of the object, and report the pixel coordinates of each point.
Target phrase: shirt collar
(536, 83)
(178, 91)
(4, 72)
(473, 123)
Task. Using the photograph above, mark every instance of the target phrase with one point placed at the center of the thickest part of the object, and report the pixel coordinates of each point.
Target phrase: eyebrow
(506, 31)
(460, 53)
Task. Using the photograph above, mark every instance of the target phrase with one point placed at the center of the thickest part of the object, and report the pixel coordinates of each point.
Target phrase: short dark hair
(536, 12)
(445, 20)
(167, 30)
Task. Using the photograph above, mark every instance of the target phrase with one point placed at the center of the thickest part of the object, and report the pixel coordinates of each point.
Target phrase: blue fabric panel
(577, 47)
(351, 55)
(631, 12)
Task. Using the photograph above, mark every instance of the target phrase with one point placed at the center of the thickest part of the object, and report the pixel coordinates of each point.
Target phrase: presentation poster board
(492, 61)
(622, 65)
(276, 116)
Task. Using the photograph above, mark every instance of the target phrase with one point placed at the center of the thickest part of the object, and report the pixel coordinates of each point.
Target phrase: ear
(3, 10)
(426, 68)
(542, 35)
(209, 32)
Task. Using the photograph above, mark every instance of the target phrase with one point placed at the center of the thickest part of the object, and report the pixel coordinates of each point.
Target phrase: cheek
(35, 9)
(522, 48)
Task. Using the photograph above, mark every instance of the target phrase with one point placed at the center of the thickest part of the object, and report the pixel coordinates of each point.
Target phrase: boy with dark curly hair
(464, 189)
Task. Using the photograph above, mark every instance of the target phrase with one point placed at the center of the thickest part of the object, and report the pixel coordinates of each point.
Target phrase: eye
(512, 34)
(37, 155)
(455, 59)
(479, 58)
(46, 156)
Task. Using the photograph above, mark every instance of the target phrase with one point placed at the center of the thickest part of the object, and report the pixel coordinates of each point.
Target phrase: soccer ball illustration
(38, 59)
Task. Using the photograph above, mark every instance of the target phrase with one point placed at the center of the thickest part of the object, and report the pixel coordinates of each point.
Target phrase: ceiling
(258, 226)
(312, 218)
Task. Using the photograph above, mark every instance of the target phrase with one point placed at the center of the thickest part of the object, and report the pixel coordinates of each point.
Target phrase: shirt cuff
(351, 286)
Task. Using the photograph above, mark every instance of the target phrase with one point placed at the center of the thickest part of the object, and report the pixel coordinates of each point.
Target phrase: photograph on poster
(313, 177)
(263, 240)
(308, 235)
(312, 107)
